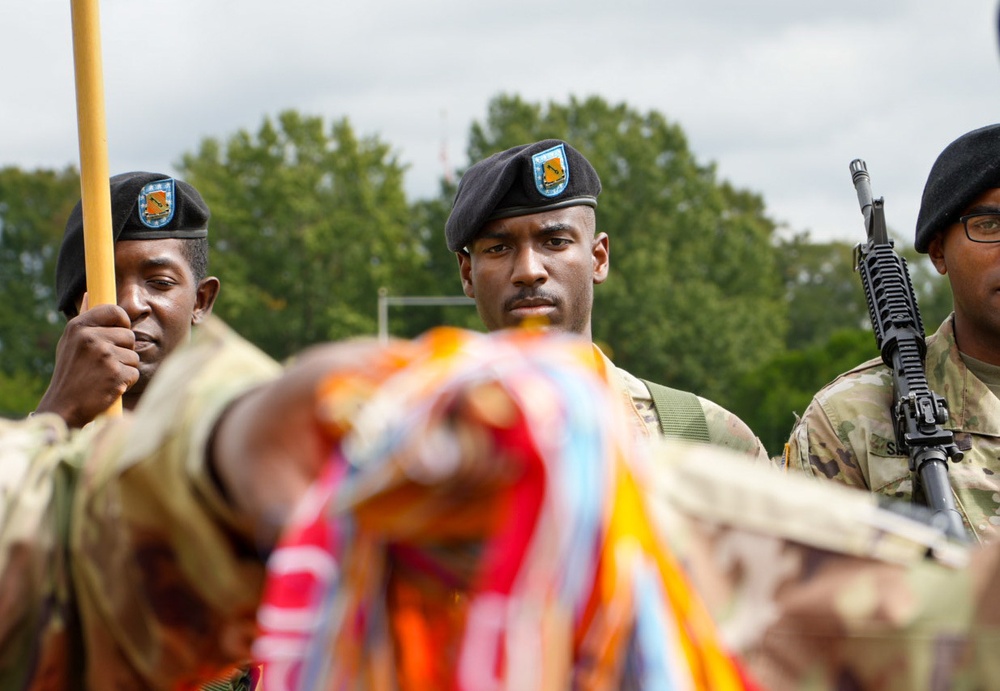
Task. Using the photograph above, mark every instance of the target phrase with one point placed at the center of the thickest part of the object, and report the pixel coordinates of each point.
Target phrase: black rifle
(899, 334)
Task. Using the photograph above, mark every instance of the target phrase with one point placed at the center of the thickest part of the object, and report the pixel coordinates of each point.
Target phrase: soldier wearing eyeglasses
(846, 434)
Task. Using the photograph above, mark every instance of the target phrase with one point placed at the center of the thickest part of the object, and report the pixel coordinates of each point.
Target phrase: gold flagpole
(94, 177)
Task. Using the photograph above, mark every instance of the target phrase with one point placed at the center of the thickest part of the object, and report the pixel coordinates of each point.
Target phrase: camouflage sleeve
(817, 588)
(38, 459)
(168, 576)
(731, 432)
(817, 450)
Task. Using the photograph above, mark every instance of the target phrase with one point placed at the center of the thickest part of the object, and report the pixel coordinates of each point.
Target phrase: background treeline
(310, 219)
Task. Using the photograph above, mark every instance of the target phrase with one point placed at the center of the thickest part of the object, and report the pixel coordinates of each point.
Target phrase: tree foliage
(438, 273)
(824, 293)
(34, 206)
(770, 396)
(933, 290)
(822, 290)
(308, 223)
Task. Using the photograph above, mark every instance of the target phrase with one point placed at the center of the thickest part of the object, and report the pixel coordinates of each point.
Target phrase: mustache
(530, 294)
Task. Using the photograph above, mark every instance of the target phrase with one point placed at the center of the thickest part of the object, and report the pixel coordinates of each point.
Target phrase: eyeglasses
(982, 227)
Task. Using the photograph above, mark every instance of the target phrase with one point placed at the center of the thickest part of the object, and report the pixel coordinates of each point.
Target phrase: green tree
(769, 397)
(822, 290)
(694, 298)
(308, 222)
(824, 293)
(438, 275)
(933, 290)
(34, 206)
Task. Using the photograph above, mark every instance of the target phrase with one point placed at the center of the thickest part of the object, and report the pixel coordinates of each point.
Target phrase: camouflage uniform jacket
(723, 425)
(846, 433)
(121, 565)
(815, 587)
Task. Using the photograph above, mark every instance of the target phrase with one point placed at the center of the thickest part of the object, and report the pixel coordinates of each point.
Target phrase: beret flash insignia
(156, 203)
(551, 171)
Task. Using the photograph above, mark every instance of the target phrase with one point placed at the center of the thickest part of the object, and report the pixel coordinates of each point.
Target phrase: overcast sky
(779, 94)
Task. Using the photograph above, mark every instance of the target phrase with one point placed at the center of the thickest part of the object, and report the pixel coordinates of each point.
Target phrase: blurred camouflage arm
(817, 588)
(167, 573)
(731, 432)
(38, 460)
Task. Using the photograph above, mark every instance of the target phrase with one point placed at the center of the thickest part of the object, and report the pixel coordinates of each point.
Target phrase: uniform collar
(627, 389)
(972, 407)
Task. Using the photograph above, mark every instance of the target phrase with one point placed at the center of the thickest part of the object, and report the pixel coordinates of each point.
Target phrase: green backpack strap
(681, 414)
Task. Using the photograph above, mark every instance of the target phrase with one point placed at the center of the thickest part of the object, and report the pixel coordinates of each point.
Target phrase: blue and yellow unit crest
(156, 203)
(551, 171)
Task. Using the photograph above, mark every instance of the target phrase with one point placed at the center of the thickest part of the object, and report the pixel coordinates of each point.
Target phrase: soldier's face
(157, 289)
(973, 268)
(540, 269)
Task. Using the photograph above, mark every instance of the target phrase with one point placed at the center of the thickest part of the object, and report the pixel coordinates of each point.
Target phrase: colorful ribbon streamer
(481, 526)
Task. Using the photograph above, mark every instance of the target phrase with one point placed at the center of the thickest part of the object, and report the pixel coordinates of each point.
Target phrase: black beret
(527, 179)
(966, 168)
(144, 206)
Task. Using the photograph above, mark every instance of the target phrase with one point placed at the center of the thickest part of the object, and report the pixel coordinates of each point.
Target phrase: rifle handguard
(918, 412)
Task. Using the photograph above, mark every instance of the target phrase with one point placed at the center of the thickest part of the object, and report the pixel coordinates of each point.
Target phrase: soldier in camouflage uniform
(846, 434)
(131, 552)
(523, 228)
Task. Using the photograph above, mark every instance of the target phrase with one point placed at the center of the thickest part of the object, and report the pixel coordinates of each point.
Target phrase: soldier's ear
(601, 251)
(207, 291)
(465, 272)
(935, 250)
